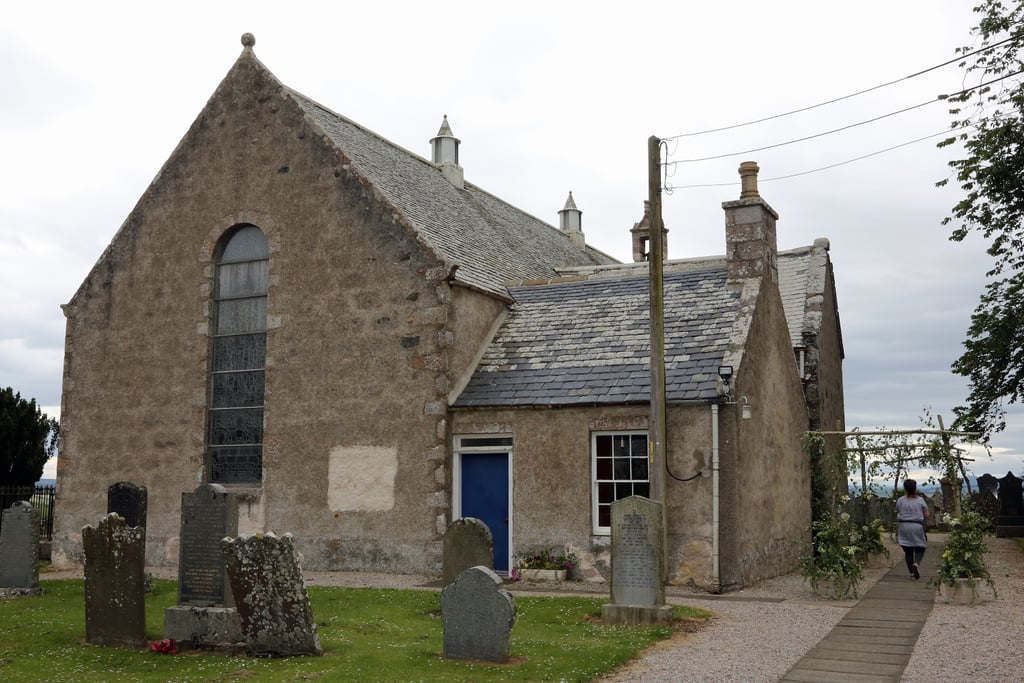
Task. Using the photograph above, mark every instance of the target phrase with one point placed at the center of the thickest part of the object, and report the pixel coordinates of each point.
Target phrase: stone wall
(552, 481)
(358, 339)
(765, 473)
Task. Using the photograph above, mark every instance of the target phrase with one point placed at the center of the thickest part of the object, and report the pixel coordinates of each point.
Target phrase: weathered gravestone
(988, 484)
(205, 613)
(478, 615)
(19, 551)
(115, 558)
(270, 594)
(638, 561)
(128, 500)
(1010, 523)
(467, 543)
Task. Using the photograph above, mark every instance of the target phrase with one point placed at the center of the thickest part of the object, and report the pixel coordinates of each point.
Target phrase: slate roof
(587, 342)
(794, 269)
(802, 277)
(492, 242)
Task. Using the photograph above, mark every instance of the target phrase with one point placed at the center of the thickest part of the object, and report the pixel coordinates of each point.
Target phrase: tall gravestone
(467, 543)
(270, 594)
(205, 614)
(478, 615)
(638, 561)
(128, 500)
(115, 559)
(988, 484)
(1010, 523)
(19, 551)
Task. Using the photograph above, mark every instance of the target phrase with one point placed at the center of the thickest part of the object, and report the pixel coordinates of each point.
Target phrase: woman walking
(911, 513)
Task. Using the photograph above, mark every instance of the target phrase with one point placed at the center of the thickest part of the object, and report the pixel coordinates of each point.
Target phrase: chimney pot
(748, 179)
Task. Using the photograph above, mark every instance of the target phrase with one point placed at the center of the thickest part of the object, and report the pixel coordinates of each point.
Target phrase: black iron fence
(41, 498)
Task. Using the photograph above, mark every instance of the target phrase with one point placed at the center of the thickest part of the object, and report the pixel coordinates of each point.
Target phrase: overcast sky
(546, 98)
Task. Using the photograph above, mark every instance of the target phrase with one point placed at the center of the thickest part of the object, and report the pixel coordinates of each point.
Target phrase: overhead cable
(940, 98)
(844, 97)
(816, 170)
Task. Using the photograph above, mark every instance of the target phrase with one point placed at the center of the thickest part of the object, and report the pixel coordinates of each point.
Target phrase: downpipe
(716, 576)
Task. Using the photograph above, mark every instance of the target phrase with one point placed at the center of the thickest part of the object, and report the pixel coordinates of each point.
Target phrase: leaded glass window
(234, 439)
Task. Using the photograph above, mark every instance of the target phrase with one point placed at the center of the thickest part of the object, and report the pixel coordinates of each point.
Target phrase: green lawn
(367, 635)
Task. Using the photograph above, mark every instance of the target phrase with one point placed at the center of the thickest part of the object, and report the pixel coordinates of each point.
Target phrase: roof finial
(248, 40)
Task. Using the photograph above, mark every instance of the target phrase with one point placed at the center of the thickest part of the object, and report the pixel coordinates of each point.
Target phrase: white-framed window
(620, 469)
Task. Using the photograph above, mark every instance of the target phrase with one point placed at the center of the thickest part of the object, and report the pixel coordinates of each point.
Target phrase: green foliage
(548, 559)
(837, 554)
(27, 439)
(828, 480)
(963, 556)
(988, 119)
(367, 635)
(867, 538)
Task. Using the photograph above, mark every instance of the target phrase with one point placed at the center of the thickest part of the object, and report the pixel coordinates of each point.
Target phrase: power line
(805, 138)
(815, 170)
(844, 97)
(940, 98)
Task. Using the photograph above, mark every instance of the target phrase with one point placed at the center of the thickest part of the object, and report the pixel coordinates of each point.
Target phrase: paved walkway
(875, 639)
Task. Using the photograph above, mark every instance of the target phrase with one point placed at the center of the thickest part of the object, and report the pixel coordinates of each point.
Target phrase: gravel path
(757, 641)
(758, 633)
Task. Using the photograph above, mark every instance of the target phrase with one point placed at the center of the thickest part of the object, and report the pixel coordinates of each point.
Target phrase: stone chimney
(445, 153)
(641, 233)
(570, 221)
(750, 244)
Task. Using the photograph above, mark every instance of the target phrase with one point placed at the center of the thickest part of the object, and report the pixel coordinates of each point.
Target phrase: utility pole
(655, 261)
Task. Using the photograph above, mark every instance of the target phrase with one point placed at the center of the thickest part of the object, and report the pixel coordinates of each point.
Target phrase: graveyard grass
(367, 634)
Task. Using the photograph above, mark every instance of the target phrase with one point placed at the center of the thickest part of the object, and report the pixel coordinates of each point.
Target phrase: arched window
(234, 442)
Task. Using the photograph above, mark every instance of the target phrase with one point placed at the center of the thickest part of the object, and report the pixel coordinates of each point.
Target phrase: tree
(28, 438)
(989, 122)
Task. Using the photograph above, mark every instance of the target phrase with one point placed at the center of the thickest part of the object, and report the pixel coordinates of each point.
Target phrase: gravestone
(467, 543)
(988, 505)
(19, 551)
(988, 484)
(205, 613)
(1010, 523)
(950, 497)
(270, 595)
(128, 500)
(478, 615)
(115, 558)
(638, 561)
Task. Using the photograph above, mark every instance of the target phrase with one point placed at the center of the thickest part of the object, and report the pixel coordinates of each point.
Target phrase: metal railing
(41, 498)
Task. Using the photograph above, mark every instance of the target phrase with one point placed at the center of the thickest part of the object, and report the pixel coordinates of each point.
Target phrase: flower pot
(833, 588)
(960, 593)
(543, 574)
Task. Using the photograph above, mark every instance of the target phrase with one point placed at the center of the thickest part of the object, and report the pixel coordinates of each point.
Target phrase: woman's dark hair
(910, 487)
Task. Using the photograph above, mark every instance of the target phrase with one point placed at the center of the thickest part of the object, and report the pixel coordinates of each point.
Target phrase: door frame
(463, 444)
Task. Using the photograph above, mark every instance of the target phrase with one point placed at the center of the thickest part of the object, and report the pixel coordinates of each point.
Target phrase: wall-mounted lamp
(725, 374)
(746, 410)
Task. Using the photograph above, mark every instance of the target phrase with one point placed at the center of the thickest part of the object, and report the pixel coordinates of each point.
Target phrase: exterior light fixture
(746, 410)
(724, 375)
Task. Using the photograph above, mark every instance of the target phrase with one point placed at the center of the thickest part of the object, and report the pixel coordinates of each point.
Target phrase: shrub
(964, 554)
(548, 559)
(836, 556)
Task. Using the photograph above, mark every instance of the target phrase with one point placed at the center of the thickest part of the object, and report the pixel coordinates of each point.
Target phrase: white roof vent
(445, 153)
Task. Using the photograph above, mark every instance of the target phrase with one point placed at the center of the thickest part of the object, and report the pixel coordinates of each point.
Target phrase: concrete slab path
(875, 639)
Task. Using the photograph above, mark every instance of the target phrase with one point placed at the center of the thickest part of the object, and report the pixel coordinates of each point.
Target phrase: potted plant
(835, 565)
(868, 540)
(546, 565)
(962, 562)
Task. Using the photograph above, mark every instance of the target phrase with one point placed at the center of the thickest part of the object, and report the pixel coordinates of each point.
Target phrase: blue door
(485, 496)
